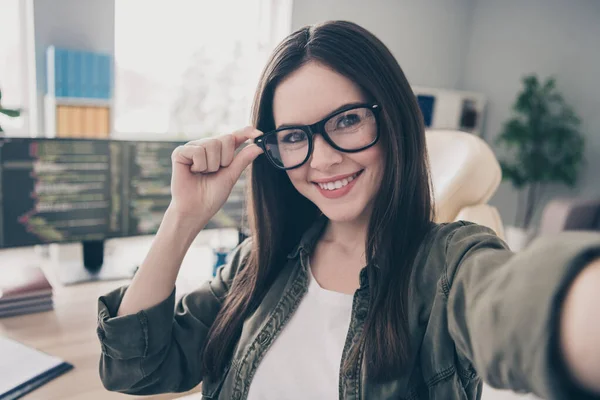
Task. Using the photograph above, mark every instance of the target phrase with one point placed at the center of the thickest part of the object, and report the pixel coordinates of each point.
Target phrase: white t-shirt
(304, 360)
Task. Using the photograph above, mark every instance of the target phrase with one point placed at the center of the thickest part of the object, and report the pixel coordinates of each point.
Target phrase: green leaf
(541, 138)
(10, 113)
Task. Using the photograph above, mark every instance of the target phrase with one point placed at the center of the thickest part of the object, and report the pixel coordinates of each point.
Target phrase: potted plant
(13, 113)
(543, 146)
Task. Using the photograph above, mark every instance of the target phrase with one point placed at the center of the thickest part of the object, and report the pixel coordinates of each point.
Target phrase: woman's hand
(580, 328)
(205, 171)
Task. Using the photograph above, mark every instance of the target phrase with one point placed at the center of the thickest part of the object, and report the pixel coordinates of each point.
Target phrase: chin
(340, 216)
(343, 212)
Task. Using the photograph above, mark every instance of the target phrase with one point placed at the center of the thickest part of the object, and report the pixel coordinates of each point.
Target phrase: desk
(69, 331)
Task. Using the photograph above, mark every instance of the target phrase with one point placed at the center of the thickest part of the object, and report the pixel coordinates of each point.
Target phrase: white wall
(76, 24)
(486, 46)
(427, 37)
(510, 38)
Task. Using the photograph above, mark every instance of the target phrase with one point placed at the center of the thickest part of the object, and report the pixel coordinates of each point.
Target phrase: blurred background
(519, 74)
(185, 69)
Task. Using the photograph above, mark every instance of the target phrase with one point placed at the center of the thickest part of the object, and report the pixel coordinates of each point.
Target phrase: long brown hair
(279, 215)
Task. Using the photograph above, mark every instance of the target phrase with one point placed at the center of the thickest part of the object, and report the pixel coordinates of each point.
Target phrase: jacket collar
(309, 240)
(310, 237)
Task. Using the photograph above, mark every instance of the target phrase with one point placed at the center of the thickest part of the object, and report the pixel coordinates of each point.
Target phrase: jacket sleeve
(159, 349)
(503, 307)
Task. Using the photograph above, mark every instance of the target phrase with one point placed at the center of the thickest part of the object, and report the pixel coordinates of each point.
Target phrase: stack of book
(24, 290)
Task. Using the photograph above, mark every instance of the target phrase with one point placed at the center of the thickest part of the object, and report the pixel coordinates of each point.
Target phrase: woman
(346, 289)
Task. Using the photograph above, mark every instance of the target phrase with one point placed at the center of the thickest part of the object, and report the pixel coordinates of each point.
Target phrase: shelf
(80, 101)
(88, 118)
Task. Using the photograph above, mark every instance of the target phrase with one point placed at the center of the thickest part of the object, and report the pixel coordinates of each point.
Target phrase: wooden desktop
(69, 331)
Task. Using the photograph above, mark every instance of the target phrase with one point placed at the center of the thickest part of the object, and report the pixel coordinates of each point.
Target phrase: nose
(324, 156)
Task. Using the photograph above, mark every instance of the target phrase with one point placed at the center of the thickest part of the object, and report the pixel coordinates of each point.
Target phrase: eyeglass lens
(349, 130)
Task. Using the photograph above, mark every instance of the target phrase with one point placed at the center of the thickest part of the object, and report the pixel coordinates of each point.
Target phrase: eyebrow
(356, 103)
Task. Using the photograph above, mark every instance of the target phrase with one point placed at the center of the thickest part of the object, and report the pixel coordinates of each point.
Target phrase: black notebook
(24, 369)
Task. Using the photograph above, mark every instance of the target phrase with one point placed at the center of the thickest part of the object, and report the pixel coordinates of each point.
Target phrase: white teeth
(337, 184)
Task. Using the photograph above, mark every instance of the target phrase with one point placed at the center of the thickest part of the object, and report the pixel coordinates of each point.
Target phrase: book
(25, 302)
(23, 281)
(30, 309)
(24, 369)
(63, 126)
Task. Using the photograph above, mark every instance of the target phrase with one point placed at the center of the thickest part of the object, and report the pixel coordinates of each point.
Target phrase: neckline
(327, 295)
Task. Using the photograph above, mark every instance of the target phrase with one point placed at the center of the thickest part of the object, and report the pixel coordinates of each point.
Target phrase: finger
(247, 133)
(242, 160)
(183, 155)
(192, 157)
(197, 142)
(213, 155)
(227, 150)
(178, 156)
(240, 136)
(199, 157)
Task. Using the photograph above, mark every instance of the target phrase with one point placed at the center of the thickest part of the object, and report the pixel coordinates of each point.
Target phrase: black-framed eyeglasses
(351, 129)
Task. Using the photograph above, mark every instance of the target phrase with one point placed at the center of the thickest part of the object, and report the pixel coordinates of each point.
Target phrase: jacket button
(237, 394)
(297, 288)
(263, 338)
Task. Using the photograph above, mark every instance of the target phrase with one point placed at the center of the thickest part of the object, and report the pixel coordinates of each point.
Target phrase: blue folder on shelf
(78, 74)
(23, 369)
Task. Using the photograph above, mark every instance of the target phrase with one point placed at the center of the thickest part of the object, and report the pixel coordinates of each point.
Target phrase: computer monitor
(88, 190)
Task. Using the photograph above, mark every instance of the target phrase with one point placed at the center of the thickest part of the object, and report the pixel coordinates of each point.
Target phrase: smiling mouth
(334, 185)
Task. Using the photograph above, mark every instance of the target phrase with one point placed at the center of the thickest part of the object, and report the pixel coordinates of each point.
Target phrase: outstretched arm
(580, 328)
(529, 321)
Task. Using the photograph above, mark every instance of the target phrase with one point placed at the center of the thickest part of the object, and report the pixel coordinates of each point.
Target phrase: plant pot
(517, 238)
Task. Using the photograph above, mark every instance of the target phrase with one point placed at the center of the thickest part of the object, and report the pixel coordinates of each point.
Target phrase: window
(13, 67)
(188, 68)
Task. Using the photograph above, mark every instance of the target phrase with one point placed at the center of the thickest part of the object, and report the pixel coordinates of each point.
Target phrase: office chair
(465, 174)
(569, 214)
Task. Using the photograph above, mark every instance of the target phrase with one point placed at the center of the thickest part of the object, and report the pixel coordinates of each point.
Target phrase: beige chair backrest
(465, 175)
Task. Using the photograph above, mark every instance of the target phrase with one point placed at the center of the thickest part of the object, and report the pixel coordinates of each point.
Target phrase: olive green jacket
(476, 311)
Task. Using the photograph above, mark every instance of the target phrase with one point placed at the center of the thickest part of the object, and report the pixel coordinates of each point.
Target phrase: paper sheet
(20, 363)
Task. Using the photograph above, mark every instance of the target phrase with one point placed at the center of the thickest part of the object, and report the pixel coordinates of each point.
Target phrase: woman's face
(305, 97)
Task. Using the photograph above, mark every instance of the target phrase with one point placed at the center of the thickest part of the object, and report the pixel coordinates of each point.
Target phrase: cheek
(372, 158)
(297, 176)
(379, 162)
